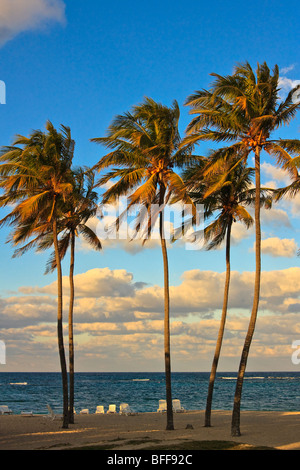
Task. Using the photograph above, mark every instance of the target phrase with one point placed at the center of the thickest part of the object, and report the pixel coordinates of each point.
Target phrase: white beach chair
(26, 413)
(99, 410)
(111, 409)
(52, 415)
(85, 411)
(126, 410)
(4, 410)
(162, 406)
(177, 408)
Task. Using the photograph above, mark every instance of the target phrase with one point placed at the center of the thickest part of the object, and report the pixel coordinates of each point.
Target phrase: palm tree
(36, 176)
(145, 150)
(244, 109)
(80, 207)
(230, 202)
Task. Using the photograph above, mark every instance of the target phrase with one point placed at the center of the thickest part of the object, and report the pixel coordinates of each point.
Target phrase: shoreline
(275, 429)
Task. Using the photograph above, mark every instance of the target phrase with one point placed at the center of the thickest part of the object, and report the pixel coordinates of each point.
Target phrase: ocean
(265, 391)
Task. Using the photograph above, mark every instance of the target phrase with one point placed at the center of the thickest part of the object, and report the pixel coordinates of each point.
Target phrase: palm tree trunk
(170, 424)
(71, 338)
(235, 424)
(60, 328)
(207, 421)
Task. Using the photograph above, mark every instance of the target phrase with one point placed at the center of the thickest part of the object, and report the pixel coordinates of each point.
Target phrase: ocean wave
(254, 378)
(258, 377)
(18, 383)
(227, 378)
(246, 378)
(282, 378)
(140, 380)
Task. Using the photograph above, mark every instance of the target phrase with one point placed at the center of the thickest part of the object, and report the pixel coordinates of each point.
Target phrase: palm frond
(90, 236)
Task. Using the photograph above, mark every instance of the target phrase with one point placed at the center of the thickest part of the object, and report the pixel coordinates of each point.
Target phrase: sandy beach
(272, 429)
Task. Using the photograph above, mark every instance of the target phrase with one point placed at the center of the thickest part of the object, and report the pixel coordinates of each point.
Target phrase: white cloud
(17, 16)
(286, 85)
(276, 173)
(239, 232)
(98, 282)
(113, 296)
(117, 319)
(287, 69)
(279, 247)
(275, 218)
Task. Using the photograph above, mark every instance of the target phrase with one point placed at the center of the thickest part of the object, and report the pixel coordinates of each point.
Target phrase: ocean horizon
(262, 391)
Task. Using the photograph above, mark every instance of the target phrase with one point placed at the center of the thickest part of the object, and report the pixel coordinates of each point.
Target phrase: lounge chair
(52, 415)
(4, 410)
(26, 413)
(111, 409)
(126, 410)
(162, 406)
(99, 410)
(85, 411)
(177, 408)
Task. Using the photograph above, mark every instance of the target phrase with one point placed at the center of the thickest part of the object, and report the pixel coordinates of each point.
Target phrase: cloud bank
(17, 16)
(119, 321)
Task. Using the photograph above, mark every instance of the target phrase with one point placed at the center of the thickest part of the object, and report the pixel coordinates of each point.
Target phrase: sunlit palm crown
(245, 108)
(147, 152)
(36, 176)
(41, 161)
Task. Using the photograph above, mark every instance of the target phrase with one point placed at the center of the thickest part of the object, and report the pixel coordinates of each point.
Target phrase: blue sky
(81, 63)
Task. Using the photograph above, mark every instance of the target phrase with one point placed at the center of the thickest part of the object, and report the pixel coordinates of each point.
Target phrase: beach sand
(271, 429)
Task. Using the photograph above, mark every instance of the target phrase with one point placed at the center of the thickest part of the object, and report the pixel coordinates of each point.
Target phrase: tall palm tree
(35, 174)
(145, 150)
(229, 202)
(79, 208)
(244, 109)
